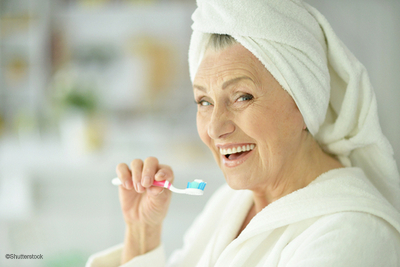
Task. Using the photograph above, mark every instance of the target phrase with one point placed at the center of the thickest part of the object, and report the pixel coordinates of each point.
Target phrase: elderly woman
(291, 119)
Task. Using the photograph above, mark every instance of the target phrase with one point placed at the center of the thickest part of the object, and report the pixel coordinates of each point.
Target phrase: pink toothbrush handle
(164, 183)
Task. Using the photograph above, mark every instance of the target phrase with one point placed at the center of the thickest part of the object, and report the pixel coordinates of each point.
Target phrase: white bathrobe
(339, 219)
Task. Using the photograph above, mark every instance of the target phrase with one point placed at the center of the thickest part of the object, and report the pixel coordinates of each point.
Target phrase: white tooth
(233, 150)
(220, 151)
(224, 151)
(252, 147)
(229, 151)
(239, 149)
(248, 147)
(243, 148)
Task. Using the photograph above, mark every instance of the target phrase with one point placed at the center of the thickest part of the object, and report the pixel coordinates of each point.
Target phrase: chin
(236, 183)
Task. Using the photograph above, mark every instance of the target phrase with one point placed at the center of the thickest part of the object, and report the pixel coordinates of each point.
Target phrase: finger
(136, 170)
(164, 173)
(155, 190)
(124, 175)
(150, 168)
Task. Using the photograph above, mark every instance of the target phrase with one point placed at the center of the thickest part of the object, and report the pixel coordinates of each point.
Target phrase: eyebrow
(198, 87)
(225, 84)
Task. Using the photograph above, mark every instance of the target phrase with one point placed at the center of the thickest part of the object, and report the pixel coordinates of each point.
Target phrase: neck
(307, 165)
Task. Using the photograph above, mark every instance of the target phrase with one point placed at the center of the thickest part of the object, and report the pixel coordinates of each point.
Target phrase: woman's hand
(144, 207)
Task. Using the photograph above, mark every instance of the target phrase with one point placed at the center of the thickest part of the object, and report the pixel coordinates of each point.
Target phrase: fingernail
(146, 181)
(128, 185)
(160, 174)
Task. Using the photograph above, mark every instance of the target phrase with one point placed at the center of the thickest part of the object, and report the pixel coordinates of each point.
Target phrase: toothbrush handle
(164, 183)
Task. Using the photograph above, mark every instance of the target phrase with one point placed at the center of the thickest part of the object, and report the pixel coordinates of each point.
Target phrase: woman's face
(249, 122)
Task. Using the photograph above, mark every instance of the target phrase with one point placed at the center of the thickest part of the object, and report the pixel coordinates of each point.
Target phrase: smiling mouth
(236, 152)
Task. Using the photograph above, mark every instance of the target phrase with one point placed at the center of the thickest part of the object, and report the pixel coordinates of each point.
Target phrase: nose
(220, 125)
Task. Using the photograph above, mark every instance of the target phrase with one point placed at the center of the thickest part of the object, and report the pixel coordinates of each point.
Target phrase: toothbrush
(195, 188)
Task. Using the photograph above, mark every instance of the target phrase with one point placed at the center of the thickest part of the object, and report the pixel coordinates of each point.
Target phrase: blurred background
(87, 84)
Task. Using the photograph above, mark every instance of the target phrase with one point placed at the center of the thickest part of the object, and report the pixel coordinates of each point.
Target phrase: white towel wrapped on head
(329, 85)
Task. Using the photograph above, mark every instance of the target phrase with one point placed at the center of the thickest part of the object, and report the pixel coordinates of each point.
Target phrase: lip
(236, 162)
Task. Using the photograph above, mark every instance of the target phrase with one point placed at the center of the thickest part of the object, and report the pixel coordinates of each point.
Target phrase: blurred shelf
(24, 64)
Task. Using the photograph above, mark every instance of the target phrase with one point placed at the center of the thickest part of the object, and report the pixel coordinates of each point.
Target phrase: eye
(246, 97)
(203, 103)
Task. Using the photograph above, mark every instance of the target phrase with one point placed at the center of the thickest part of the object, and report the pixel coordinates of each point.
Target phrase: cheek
(274, 127)
(259, 124)
(286, 130)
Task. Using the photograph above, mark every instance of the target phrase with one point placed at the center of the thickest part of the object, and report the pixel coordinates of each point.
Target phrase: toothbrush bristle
(196, 185)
